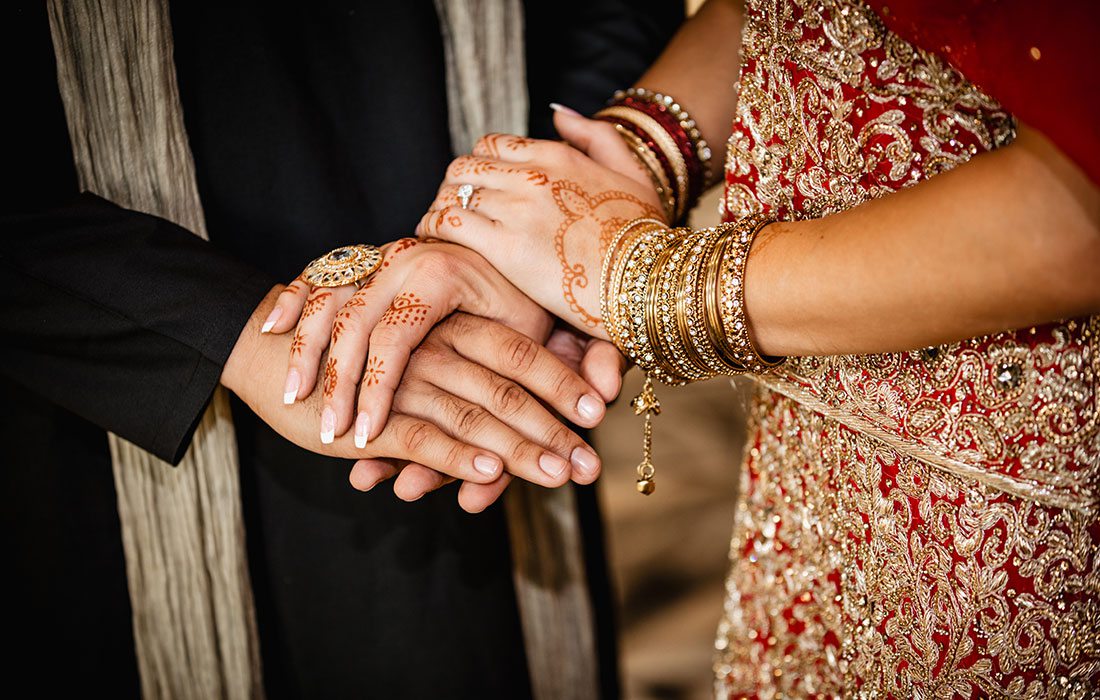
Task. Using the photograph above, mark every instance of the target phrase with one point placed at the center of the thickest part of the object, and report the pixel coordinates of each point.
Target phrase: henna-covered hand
(371, 332)
(544, 213)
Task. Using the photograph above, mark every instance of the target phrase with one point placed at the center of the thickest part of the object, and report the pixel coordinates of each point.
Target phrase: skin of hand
(579, 352)
(544, 213)
(370, 338)
(422, 429)
(930, 264)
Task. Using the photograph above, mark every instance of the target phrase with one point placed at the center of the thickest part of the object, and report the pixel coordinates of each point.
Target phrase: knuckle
(557, 438)
(437, 264)
(508, 398)
(562, 382)
(456, 167)
(519, 353)
(456, 324)
(415, 436)
(454, 454)
(384, 337)
(470, 419)
(521, 451)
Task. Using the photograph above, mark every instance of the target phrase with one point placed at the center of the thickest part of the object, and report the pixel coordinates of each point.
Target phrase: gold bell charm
(646, 403)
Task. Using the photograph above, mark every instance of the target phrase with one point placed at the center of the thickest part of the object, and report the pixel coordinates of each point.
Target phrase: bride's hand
(543, 213)
(371, 332)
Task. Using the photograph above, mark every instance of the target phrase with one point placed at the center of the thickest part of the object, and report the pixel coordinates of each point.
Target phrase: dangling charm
(646, 403)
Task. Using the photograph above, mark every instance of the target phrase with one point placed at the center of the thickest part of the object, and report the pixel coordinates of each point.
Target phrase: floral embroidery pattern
(920, 524)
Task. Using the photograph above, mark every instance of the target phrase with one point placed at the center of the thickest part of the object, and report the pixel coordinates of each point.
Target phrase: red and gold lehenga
(912, 525)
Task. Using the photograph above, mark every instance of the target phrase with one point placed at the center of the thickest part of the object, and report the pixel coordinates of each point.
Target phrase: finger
(600, 141)
(466, 227)
(349, 339)
(368, 473)
(492, 173)
(400, 329)
(517, 357)
(474, 498)
(288, 307)
(602, 367)
(451, 216)
(311, 339)
(568, 345)
(417, 440)
(493, 205)
(416, 480)
(507, 147)
(542, 459)
(448, 196)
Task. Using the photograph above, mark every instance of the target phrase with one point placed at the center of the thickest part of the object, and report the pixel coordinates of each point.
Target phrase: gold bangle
(658, 312)
(649, 163)
(735, 323)
(694, 365)
(610, 293)
(652, 128)
(713, 311)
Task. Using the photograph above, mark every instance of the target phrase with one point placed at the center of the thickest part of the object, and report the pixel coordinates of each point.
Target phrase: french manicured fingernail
(489, 466)
(584, 460)
(362, 429)
(290, 389)
(328, 425)
(271, 319)
(563, 109)
(552, 464)
(590, 407)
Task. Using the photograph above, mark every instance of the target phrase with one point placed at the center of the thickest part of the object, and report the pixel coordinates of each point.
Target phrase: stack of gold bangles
(673, 302)
(666, 142)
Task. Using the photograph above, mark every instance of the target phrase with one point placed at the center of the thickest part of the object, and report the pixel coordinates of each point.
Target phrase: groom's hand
(444, 410)
(371, 333)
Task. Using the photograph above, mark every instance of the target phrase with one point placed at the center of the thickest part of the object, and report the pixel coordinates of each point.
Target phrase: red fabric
(1055, 89)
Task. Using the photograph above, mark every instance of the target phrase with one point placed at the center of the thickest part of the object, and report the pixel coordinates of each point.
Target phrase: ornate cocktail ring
(464, 194)
(347, 265)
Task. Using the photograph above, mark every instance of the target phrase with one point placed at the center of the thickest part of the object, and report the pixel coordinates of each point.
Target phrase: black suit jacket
(312, 125)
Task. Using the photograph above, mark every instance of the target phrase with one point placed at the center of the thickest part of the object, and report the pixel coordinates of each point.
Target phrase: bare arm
(700, 69)
(1008, 240)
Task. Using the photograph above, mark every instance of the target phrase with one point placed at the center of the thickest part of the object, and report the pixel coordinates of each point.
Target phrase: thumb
(599, 141)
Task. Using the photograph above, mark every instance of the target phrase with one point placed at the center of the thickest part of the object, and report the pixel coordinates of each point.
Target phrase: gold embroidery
(922, 524)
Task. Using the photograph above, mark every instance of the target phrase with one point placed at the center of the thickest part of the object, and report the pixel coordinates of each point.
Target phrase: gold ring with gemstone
(346, 265)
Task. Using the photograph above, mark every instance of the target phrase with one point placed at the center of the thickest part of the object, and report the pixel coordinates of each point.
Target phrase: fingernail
(271, 319)
(563, 109)
(290, 389)
(590, 407)
(489, 466)
(584, 460)
(328, 425)
(362, 429)
(552, 464)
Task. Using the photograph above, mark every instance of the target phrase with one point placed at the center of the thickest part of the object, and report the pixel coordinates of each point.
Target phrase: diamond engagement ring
(348, 265)
(464, 194)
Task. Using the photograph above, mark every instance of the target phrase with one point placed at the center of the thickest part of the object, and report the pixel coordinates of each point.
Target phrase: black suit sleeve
(580, 51)
(123, 318)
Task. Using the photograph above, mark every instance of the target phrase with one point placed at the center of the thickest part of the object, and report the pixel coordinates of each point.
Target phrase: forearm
(700, 68)
(1009, 240)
